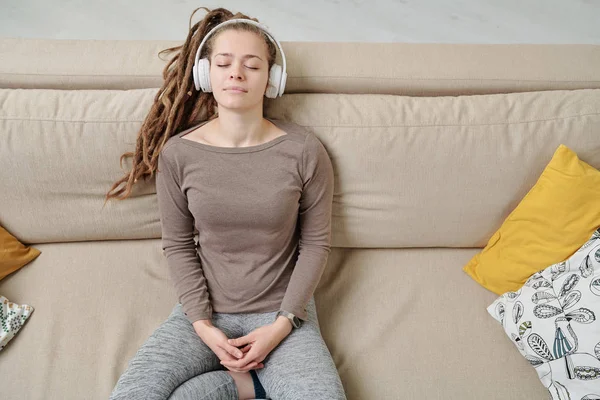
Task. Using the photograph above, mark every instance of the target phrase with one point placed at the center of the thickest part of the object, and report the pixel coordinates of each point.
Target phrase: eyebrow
(244, 57)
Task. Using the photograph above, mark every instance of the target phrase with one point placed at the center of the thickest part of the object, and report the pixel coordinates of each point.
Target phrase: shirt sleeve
(179, 247)
(315, 227)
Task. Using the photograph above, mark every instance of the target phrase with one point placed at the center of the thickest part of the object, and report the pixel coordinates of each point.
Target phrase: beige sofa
(432, 144)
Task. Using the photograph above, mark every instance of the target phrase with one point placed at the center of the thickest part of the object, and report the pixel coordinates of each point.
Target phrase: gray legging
(174, 363)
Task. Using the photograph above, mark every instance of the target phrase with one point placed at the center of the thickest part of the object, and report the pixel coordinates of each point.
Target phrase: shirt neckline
(243, 149)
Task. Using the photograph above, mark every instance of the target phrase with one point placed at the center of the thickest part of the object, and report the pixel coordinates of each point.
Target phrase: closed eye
(228, 66)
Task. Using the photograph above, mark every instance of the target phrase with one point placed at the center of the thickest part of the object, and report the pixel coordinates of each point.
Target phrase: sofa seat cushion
(395, 320)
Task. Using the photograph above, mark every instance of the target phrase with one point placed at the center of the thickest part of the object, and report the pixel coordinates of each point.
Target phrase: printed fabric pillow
(12, 318)
(553, 321)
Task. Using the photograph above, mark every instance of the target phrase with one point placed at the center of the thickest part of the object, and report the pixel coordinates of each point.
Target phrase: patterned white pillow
(12, 318)
(553, 321)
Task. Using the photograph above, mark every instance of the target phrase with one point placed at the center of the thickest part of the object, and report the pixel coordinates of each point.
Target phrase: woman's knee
(301, 367)
(171, 355)
(302, 390)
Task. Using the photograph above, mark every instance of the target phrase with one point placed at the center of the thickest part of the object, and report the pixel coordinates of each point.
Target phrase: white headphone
(277, 74)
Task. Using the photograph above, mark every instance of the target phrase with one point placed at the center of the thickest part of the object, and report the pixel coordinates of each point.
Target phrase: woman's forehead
(239, 43)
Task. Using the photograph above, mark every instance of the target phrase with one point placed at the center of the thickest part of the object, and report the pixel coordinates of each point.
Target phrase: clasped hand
(258, 344)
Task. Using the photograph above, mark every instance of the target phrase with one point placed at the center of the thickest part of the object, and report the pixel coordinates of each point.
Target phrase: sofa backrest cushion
(410, 69)
(409, 171)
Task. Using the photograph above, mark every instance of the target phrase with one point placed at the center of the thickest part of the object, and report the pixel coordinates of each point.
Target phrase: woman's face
(239, 58)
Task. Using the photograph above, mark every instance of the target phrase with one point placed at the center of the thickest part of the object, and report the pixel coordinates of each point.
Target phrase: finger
(241, 340)
(246, 348)
(244, 369)
(234, 351)
(242, 363)
(250, 366)
(248, 357)
(258, 366)
(226, 357)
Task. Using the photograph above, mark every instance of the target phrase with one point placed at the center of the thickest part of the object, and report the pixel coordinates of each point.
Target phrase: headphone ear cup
(274, 81)
(195, 76)
(282, 84)
(203, 74)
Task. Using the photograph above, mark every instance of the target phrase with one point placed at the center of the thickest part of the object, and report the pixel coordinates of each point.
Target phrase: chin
(236, 105)
(241, 102)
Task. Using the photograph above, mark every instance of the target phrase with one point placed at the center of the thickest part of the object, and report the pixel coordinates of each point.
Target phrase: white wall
(441, 21)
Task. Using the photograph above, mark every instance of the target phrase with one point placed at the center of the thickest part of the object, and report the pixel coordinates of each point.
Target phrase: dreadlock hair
(178, 105)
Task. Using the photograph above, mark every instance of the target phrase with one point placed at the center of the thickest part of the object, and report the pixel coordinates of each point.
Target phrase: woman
(260, 193)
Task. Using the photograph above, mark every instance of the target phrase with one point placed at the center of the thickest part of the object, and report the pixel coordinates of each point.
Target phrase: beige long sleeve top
(263, 215)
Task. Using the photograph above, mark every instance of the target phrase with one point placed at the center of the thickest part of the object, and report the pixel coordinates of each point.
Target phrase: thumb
(240, 341)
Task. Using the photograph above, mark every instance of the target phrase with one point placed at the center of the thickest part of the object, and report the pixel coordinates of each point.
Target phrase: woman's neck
(240, 130)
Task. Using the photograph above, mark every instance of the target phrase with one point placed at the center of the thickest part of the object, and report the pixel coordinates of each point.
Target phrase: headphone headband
(245, 21)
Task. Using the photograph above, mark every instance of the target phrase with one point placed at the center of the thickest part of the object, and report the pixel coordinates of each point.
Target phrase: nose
(236, 72)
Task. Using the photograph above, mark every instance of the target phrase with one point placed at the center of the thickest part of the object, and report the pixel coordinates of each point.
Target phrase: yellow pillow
(13, 254)
(553, 220)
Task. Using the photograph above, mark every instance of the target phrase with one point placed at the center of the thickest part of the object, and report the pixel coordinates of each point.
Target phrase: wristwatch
(296, 323)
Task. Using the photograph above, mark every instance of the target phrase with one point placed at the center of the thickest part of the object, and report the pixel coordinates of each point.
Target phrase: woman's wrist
(202, 323)
(283, 324)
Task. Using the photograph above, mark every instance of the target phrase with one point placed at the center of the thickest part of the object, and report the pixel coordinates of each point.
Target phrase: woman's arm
(177, 225)
(316, 205)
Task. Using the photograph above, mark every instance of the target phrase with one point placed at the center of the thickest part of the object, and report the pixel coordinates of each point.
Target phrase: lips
(236, 88)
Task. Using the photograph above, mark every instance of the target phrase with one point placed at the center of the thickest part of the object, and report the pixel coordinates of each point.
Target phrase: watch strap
(296, 323)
